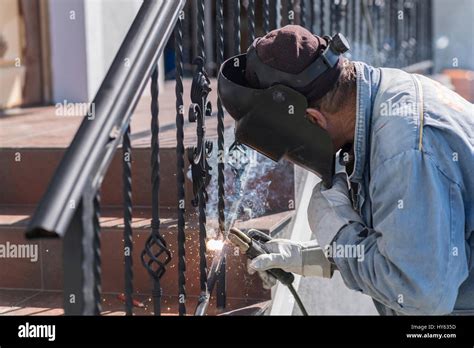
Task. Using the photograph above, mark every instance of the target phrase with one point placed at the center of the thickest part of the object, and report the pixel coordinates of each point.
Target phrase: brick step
(46, 273)
(26, 180)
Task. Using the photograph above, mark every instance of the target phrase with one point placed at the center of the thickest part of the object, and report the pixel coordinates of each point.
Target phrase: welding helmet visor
(273, 121)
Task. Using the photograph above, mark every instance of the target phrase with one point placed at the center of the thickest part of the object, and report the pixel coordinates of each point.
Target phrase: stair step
(46, 273)
(25, 181)
(33, 302)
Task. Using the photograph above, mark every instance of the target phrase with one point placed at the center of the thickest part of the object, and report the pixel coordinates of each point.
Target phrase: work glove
(268, 281)
(306, 259)
(331, 209)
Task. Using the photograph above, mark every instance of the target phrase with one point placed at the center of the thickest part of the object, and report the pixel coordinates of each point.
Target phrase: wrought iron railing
(70, 207)
(391, 33)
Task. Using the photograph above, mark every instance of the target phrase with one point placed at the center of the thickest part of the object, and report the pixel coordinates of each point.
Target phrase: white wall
(68, 50)
(82, 49)
(107, 23)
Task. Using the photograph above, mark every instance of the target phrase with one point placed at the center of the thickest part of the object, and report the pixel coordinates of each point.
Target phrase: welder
(405, 194)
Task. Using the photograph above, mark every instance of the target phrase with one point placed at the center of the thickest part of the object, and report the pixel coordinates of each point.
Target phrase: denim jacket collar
(368, 79)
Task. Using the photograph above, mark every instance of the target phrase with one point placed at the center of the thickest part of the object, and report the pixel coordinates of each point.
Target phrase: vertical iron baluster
(278, 13)
(419, 34)
(404, 34)
(361, 26)
(349, 23)
(429, 29)
(406, 31)
(127, 220)
(202, 198)
(187, 36)
(393, 13)
(236, 27)
(422, 33)
(303, 13)
(387, 24)
(346, 17)
(221, 289)
(353, 10)
(81, 257)
(97, 256)
(251, 21)
(90, 247)
(202, 243)
(311, 13)
(220, 119)
(266, 16)
(426, 9)
(411, 36)
(155, 177)
(201, 52)
(413, 33)
(290, 11)
(370, 49)
(380, 25)
(396, 28)
(180, 175)
(337, 16)
(332, 11)
(156, 255)
(321, 18)
(376, 25)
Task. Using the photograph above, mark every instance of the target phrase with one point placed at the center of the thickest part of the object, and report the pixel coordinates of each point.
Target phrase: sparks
(214, 244)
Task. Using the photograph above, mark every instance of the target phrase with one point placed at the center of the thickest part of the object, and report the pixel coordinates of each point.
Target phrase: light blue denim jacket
(414, 163)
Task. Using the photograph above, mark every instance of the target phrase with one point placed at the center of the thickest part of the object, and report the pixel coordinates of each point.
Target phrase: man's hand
(331, 209)
(306, 259)
(268, 281)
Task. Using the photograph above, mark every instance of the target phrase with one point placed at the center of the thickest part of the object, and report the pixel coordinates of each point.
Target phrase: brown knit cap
(292, 49)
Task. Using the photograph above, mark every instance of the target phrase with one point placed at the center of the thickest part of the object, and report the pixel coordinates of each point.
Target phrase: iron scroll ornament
(198, 155)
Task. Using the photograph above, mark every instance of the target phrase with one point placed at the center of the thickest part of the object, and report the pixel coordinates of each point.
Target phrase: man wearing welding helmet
(407, 143)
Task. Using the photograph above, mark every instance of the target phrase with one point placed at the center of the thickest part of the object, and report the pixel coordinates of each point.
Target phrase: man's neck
(345, 130)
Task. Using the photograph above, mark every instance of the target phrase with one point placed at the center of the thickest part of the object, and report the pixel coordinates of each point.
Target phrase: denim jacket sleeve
(412, 261)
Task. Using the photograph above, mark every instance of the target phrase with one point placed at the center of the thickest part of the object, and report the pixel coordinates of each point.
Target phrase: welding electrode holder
(252, 244)
(258, 240)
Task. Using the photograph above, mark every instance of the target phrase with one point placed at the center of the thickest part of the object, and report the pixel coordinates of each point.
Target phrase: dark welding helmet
(272, 119)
